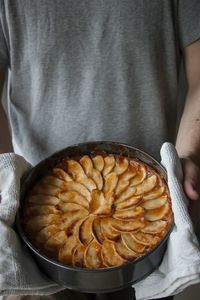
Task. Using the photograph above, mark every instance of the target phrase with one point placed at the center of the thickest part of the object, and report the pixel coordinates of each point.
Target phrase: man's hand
(188, 139)
(191, 181)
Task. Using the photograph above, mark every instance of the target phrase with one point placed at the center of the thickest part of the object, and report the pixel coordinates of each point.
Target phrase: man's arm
(5, 138)
(188, 139)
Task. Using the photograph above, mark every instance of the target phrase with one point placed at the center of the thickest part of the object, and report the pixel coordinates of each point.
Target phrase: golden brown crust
(97, 212)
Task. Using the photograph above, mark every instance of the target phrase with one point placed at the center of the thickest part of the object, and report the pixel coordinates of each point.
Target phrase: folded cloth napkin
(180, 266)
(19, 275)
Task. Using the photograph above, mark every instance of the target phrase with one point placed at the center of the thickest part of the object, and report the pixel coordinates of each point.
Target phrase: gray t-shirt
(85, 70)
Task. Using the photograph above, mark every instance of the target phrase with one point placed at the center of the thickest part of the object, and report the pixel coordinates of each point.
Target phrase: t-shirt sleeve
(4, 55)
(188, 21)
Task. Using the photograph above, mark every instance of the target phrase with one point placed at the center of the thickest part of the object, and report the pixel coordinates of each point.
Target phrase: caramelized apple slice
(64, 207)
(157, 213)
(121, 187)
(129, 174)
(87, 164)
(147, 185)
(100, 205)
(78, 255)
(121, 165)
(109, 254)
(124, 251)
(70, 217)
(79, 188)
(46, 189)
(130, 213)
(132, 243)
(97, 230)
(41, 210)
(86, 230)
(61, 174)
(122, 225)
(35, 224)
(66, 251)
(56, 241)
(53, 181)
(74, 197)
(88, 183)
(44, 234)
(92, 255)
(96, 176)
(155, 227)
(146, 238)
(128, 202)
(43, 199)
(129, 192)
(110, 182)
(154, 203)
(107, 229)
(109, 163)
(98, 162)
(75, 169)
(155, 193)
(141, 175)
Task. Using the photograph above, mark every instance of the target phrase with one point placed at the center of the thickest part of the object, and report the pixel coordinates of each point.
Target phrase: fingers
(191, 182)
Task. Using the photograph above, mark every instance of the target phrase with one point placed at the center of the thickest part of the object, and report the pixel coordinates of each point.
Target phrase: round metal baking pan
(82, 279)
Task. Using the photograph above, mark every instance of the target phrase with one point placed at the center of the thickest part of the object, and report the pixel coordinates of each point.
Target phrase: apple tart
(97, 211)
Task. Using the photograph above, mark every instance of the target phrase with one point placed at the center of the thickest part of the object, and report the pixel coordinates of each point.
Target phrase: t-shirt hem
(191, 39)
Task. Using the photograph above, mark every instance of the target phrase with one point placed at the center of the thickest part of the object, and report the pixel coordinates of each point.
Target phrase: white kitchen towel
(19, 274)
(180, 267)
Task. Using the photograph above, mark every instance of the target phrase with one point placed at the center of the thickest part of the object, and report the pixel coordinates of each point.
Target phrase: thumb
(191, 182)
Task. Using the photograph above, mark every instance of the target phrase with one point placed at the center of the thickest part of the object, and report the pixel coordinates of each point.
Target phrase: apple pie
(97, 211)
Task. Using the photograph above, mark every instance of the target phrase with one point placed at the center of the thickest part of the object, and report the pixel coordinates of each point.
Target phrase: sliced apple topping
(155, 193)
(35, 210)
(109, 163)
(56, 241)
(155, 227)
(46, 189)
(43, 199)
(61, 174)
(132, 201)
(86, 230)
(109, 254)
(38, 222)
(108, 230)
(74, 197)
(122, 225)
(98, 233)
(101, 205)
(139, 178)
(121, 165)
(66, 251)
(124, 251)
(53, 181)
(79, 188)
(130, 213)
(110, 182)
(157, 213)
(98, 162)
(47, 232)
(146, 238)
(75, 170)
(154, 203)
(92, 255)
(78, 255)
(132, 243)
(147, 185)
